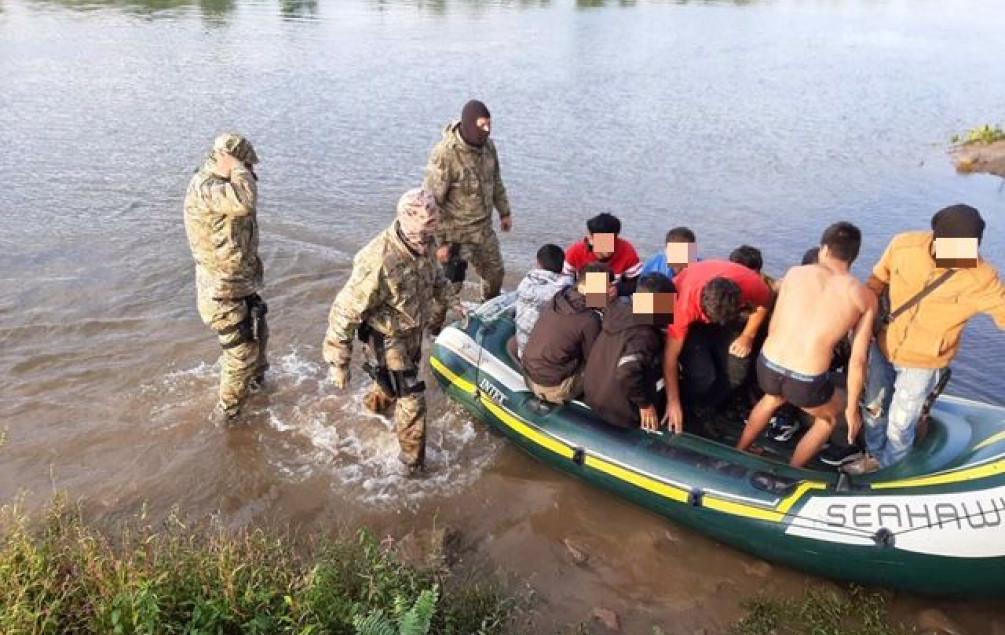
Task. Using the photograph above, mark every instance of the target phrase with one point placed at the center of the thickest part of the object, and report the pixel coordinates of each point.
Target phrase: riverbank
(980, 150)
(65, 573)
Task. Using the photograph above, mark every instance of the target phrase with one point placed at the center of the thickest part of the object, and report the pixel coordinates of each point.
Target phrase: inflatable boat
(933, 524)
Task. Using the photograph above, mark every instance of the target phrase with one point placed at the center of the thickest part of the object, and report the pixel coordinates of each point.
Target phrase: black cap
(958, 221)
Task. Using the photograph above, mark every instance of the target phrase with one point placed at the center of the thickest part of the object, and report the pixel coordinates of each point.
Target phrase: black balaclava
(958, 221)
(470, 132)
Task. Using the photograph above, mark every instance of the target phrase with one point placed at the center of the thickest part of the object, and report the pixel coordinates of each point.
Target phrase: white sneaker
(864, 465)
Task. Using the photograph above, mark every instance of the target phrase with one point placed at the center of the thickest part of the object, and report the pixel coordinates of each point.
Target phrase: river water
(756, 122)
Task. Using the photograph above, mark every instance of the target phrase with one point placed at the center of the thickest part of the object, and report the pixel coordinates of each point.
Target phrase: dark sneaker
(838, 456)
(783, 427)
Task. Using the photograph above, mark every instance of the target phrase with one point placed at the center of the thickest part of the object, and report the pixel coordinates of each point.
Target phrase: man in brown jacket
(560, 342)
(908, 356)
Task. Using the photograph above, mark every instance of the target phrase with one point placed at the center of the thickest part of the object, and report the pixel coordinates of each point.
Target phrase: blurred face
(484, 124)
(603, 245)
(958, 253)
(597, 289)
(653, 309)
(680, 255)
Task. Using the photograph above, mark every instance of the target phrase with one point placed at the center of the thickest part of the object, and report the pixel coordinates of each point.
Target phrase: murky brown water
(755, 122)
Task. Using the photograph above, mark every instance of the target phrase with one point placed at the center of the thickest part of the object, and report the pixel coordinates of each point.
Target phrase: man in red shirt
(709, 338)
(603, 245)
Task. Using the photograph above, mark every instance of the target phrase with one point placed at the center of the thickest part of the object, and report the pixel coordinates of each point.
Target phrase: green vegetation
(818, 612)
(68, 576)
(982, 134)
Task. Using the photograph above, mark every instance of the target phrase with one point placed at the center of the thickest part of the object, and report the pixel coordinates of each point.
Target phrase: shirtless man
(817, 305)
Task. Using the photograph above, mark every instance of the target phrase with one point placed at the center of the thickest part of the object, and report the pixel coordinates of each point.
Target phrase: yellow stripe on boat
(959, 476)
(794, 497)
(994, 438)
(656, 487)
(452, 377)
(524, 429)
(776, 514)
(642, 481)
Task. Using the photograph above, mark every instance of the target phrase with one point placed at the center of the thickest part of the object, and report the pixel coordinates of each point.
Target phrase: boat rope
(998, 511)
(815, 524)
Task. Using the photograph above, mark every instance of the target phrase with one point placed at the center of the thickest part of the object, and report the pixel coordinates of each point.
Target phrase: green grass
(982, 134)
(61, 574)
(818, 612)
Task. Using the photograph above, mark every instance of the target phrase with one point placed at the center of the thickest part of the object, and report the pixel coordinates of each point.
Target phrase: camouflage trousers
(486, 259)
(403, 353)
(243, 359)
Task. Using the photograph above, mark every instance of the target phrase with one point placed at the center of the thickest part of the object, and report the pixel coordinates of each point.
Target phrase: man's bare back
(816, 307)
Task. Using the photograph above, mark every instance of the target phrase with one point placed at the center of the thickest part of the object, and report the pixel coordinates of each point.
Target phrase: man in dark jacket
(560, 341)
(623, 371)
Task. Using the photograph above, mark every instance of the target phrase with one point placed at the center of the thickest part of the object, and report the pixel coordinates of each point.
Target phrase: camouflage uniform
(395, 292)
(222, 229)
(466, 183)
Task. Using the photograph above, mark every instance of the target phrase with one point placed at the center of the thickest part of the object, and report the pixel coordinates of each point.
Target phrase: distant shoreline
(979, 157)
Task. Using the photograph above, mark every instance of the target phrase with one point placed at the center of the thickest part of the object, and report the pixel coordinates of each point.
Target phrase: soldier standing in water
(463, 175)
(394, 291)
(222, 228)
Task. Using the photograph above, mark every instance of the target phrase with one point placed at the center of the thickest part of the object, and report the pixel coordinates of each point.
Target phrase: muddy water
(754, 122)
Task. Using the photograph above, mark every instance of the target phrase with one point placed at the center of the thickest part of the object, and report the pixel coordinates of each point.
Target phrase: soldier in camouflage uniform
(463, 175)
(393, 292)
(222, 229)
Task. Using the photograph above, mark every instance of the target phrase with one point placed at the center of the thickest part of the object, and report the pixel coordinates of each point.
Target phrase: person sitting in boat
(817, 306)
(602, 244)
(538, 287)
(560, 342)
(708, 344)
(681, 249)
(914, 348)
(623, 371)
(751, 258)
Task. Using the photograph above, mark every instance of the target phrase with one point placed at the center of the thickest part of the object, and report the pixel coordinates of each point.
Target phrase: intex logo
(494, 393)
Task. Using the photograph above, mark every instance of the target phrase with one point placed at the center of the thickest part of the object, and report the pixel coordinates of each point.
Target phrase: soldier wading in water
(463, 175)
(222, 229)
(393, 292)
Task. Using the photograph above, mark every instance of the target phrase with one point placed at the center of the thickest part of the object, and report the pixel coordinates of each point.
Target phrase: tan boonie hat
(236, 146)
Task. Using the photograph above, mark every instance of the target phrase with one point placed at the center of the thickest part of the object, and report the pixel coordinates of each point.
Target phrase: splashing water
(357, 449)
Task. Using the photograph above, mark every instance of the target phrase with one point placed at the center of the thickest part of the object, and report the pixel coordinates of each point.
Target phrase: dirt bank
(986, 158)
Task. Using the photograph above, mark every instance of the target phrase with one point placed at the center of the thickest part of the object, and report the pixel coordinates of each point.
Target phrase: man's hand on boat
(742, 346)
(650, 419)
(506, 223)
(674, 418)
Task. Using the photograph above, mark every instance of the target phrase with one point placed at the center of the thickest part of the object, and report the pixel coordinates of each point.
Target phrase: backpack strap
(918, 297)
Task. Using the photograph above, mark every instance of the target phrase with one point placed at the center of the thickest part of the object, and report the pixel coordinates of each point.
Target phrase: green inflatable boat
(933, 524)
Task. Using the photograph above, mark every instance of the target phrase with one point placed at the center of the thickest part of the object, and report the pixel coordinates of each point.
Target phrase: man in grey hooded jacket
(538, 287)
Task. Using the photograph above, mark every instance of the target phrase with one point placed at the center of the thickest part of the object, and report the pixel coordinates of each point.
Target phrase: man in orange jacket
(908, 356)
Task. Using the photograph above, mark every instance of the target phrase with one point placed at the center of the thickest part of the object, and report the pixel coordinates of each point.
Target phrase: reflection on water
(298, 9)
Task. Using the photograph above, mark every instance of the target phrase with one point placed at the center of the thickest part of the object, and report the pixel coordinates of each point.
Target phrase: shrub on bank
(66, 576)
(981, 135)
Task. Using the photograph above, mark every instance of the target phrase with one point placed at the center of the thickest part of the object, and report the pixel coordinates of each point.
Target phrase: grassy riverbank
(818, 612)
(985, 134)
(64, 575)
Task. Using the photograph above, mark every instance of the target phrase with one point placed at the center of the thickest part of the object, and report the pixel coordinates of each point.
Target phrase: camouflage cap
(236, 146)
